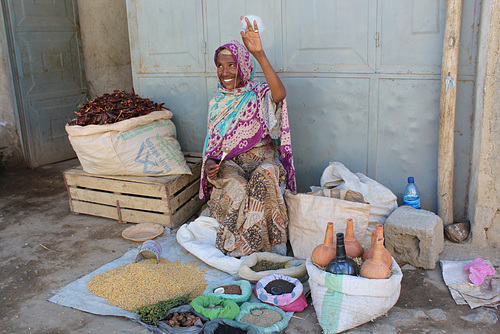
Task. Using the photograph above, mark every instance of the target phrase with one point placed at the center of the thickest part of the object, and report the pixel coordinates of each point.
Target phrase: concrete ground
(44, 247)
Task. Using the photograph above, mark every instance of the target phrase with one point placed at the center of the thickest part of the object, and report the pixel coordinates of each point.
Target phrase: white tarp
(76, 295)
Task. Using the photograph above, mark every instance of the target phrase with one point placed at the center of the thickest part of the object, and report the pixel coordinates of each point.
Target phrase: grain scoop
(150, 249)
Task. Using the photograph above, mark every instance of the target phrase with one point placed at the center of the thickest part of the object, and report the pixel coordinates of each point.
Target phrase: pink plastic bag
(478, 271)
(298, 305)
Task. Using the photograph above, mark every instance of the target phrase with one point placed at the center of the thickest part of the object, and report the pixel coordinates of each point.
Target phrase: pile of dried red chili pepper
(112, 108)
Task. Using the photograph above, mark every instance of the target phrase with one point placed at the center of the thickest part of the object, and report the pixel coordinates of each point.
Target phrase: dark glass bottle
(342, 264)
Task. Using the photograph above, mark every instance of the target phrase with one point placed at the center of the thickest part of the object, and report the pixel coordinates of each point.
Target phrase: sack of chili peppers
(143, 143)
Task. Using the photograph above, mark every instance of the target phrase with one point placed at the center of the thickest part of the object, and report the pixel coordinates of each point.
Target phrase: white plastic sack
(139, 146)
(198, 238)
(382, 200)
(309, 214)
(343, 302)
(296, 270)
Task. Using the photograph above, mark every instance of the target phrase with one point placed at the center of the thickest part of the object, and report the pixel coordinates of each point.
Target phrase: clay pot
(353, 247)
(342, 264)
(376, 267)
(368, 254)
(325, 252)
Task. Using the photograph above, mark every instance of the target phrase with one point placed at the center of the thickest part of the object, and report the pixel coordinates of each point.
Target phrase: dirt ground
(43, 247)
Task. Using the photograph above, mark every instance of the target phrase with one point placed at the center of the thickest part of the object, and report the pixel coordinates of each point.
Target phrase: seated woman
(247, 157)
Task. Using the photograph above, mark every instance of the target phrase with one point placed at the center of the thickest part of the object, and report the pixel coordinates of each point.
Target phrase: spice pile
(183, 319)
(112, 108)
(143, 283)
(264, 265)
(150, 314)
(231, 289)
(262, 318)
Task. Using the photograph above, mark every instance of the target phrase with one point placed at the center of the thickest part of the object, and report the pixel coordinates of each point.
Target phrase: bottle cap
(410, 179)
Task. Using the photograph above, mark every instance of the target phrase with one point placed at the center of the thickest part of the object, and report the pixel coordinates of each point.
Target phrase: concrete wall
(484, 204)
(105, 42)
(11, 154)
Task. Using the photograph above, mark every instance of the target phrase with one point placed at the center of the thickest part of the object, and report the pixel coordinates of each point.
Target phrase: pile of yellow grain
(147, 282)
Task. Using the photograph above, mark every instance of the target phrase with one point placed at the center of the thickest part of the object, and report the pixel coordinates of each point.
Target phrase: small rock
(401, 317)
(407, 267)
(485, 317)
(436, 314)
(358, 331)
(384, 329)
(417, 314)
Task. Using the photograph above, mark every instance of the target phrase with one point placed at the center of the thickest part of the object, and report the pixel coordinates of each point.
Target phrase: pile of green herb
(264, 265)
(150, 314)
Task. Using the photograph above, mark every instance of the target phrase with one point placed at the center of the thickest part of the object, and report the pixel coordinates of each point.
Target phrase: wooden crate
(165, 200)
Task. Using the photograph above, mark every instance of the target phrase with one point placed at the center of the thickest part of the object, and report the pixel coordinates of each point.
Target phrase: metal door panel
(50, 82)
(411, 36)
(169, 36)
(320, 37)
(47, 127)
(329, 122)
(408, 136)
(48, 67)
(186, 97)
(43, 15)
(223, 25)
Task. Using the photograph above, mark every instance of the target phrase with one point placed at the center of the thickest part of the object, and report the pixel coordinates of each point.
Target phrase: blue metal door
(48, 74)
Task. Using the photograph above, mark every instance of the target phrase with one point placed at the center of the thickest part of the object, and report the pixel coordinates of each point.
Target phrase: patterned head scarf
(235, 119)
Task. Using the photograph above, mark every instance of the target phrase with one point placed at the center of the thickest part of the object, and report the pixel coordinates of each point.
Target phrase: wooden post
(449, 69)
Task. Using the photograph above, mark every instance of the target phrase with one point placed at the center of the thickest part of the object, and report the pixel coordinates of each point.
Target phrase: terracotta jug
(376, 267)
(325, 252)
(379, 233)
(353, 247)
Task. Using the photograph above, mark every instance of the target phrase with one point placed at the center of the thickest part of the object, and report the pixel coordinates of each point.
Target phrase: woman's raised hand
(251, 37)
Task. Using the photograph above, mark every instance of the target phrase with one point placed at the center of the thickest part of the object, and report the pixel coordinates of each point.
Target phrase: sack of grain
(265, 318)
(343, 302)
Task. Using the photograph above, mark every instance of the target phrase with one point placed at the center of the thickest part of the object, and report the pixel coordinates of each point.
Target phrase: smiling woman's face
(227, 71)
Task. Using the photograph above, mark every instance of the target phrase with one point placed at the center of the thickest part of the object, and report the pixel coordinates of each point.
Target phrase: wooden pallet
(165, 200)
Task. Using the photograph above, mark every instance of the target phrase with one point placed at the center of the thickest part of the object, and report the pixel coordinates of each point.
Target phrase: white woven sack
(308, 216)
(382, 200)
(139, 146)
(343, 302)
(297, 270)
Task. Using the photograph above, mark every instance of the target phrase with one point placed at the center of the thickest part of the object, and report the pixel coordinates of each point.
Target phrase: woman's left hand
(251, 37)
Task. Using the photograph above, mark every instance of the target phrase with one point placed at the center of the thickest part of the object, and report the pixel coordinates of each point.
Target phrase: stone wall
(105, 42)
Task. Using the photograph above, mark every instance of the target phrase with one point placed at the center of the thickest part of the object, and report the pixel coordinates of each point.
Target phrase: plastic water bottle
(411, 195)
